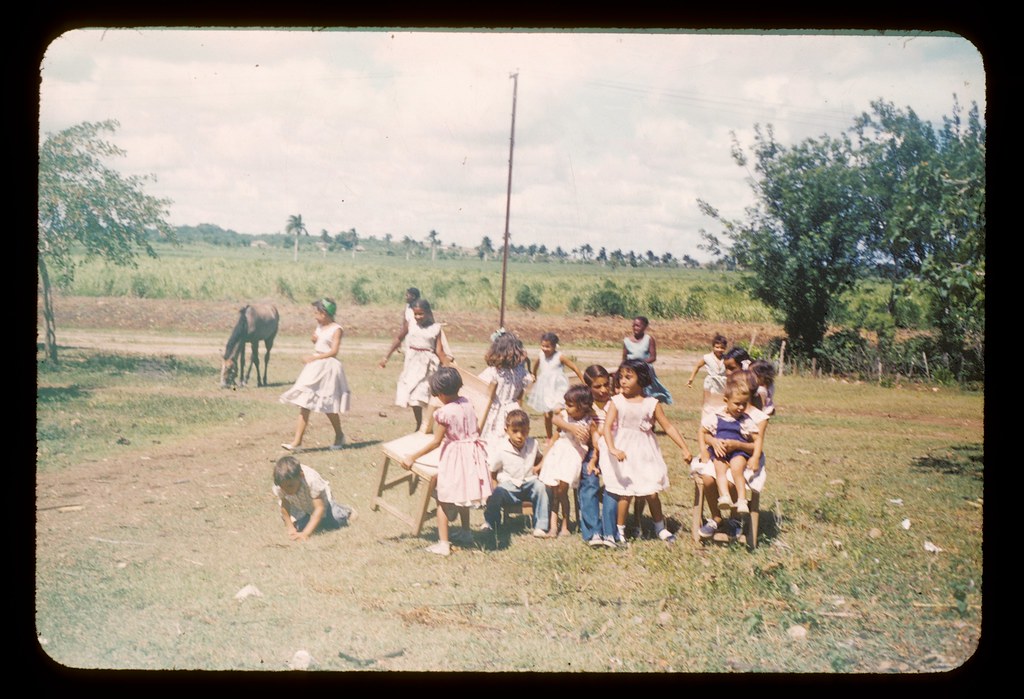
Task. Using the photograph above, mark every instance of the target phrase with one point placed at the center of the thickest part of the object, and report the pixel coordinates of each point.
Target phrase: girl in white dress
(321, 386)
(411, 294)
(508, 374)
(635, 467)
(551, 384)
(714, 382)
(426, 349)
(561, 466)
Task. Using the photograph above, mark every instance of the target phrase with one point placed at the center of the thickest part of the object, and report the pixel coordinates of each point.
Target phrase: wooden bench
(423, 475)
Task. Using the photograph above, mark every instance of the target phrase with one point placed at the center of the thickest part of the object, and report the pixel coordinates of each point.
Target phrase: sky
(617, 134)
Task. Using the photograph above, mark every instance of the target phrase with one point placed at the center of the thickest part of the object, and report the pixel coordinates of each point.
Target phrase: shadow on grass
(53, 395)
(347, 447)
(960, 460)
(106, 363)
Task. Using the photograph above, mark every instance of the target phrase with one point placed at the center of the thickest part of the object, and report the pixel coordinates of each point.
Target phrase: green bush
(607, 302)
(696, 306)
(285, 289)
(527, 298)
(360, 295)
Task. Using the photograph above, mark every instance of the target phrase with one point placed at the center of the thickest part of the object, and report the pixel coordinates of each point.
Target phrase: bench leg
(698, 509)
(381, 481)
(755, 513)
(424, 506)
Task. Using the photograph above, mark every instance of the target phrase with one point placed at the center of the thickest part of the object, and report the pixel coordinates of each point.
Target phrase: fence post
(782, 357)
(926, 372)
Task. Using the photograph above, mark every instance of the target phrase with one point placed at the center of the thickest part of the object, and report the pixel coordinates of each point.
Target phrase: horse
(255, 322)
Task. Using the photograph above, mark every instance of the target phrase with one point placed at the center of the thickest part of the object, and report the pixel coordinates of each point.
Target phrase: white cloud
(617, 134)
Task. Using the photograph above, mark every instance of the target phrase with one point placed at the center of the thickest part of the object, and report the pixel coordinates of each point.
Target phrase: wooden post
(782, 357)
(508, 199)
(926, 372)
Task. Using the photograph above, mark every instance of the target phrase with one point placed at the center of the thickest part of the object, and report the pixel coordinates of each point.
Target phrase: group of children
(605, 450)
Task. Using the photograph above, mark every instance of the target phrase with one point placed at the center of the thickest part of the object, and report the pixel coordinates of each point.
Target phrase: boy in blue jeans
(514, 462)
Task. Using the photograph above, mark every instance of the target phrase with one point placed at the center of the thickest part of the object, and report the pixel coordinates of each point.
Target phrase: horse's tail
(237, 335)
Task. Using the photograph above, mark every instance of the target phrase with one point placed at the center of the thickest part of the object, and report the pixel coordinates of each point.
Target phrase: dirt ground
(170, 316)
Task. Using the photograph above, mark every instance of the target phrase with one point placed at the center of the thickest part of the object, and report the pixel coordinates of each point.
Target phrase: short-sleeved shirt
(512, 466)
(312, 486)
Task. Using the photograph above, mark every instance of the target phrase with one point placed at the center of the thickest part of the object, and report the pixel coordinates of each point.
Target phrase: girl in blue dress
(641, 345)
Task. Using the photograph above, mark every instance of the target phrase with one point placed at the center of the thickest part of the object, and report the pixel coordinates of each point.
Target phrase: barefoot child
(636, 467)
(321, 385)
(514, 462)
(462, 477)
(714, 382)
(306, 502)
(551, 384)
(560, 469)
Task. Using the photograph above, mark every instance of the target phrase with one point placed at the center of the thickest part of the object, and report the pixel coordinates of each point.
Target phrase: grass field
(154, 509)
(467, 284)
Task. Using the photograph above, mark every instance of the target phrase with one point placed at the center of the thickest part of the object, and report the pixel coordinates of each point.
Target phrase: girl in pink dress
(463, 480)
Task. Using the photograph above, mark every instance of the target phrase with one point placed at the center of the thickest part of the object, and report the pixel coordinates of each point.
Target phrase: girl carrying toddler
(560, 467)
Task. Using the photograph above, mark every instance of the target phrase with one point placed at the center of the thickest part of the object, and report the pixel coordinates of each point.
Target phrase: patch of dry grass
(141, 547)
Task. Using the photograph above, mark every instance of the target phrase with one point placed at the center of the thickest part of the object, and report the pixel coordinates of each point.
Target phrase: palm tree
(296, 226)
(485, 248)
(435, 242)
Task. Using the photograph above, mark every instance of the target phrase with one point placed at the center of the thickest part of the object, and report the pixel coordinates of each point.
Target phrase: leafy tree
(296, 226)
(485, 248)
(803, 238)
(347, 239)
(83, 203)
(409, 244)
(586, 251)
(927, 190)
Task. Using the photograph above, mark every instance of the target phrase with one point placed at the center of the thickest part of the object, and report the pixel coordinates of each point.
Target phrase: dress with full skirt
(462, 475)
(548, 394)
(420, 363)
(321, 385)
(641, 349)
(511, 382)
(643, 471)
(565, 457)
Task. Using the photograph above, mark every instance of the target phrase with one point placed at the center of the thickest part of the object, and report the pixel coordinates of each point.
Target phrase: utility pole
(508, 197)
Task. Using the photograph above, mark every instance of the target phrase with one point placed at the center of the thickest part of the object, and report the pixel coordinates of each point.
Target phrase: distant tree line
(431, 245)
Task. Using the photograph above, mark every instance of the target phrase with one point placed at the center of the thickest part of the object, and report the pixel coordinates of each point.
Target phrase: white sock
(658, 526)
(622, 531)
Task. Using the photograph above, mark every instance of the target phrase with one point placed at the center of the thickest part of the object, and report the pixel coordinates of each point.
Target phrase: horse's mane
(237, 335)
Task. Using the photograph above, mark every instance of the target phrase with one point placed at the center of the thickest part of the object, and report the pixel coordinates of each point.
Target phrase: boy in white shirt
(514, 462)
